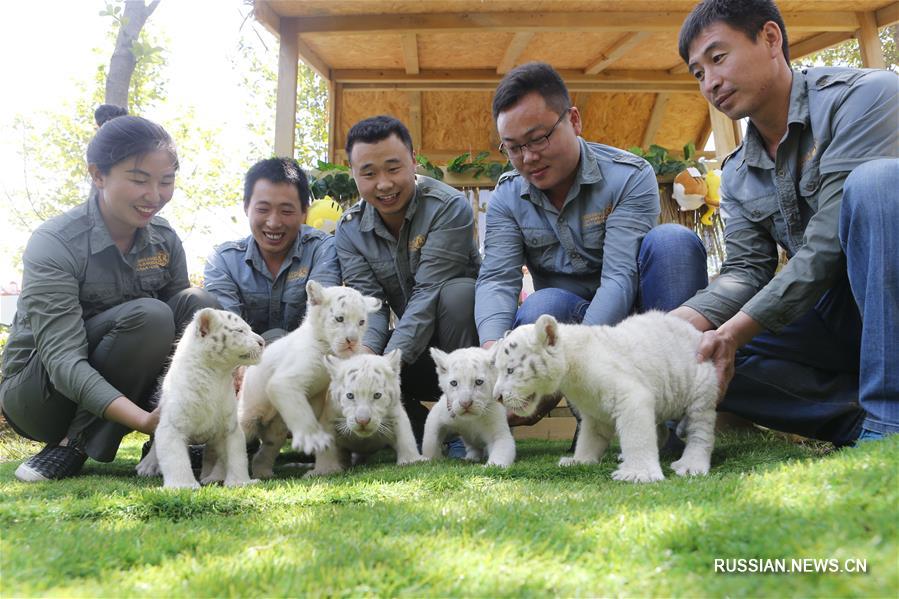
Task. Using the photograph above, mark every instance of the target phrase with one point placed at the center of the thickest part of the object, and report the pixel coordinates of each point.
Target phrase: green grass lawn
(455, 529)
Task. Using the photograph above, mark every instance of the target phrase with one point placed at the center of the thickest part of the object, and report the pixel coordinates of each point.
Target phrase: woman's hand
(127, 413)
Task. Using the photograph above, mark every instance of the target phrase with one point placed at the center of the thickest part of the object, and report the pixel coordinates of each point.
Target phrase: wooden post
(727, 133)
(655, 119)
(415, 119)
(286, 104)
(335, 91)
(869, 41)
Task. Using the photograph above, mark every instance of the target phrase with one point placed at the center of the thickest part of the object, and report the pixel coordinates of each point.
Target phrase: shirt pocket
(759, 209)
(541, 247)
(294, 305)
(97, 297)
(385, 273)
(151, 283)
(256, 310)
(593, 237)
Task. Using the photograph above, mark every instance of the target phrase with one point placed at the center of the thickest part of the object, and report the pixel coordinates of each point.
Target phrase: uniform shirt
(74, 271)
(237, 276)
(436, 243)
(838, 118)
(589, 247)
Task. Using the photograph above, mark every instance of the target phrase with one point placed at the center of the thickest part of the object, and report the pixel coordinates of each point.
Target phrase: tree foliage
(848, 53)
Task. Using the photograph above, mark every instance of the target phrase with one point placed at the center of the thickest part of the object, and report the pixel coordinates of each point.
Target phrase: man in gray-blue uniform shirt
(817, 175)
(263, 277)
(409, 242)
(579, 215)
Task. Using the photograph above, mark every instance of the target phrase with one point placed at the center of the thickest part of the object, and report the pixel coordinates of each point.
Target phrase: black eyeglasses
(535, 145)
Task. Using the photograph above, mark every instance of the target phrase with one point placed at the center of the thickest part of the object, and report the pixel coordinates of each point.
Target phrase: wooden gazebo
(434, 65)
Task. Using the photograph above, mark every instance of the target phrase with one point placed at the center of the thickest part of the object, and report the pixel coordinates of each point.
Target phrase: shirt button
(756, 213)
(573, 254)
(780, 172)
(349, 217)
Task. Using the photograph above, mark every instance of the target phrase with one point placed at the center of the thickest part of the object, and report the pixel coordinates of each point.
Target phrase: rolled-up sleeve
(750, 264)
(636, 213)
(499, 281)
(811, 271)
(50, 298)
(218, 281)
(358, 274)
(444, 256)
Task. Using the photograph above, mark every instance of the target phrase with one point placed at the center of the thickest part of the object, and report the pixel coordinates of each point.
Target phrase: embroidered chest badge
(159, 260)
(416, 243)
(298, 274)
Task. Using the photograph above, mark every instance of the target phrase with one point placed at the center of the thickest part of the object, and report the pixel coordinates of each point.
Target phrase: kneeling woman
(105, 291)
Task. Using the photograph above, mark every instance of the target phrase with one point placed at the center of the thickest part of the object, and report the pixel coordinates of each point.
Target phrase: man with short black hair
(581, 216)
(409, 242)
(817, 175)
(263, 277)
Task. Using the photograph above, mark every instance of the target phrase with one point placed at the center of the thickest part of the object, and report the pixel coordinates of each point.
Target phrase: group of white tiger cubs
(334, 401)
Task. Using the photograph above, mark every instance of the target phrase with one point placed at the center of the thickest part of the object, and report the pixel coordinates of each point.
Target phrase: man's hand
(151, 422)
(488, 344)
(721, 346)
(721, 349)
(546, 404)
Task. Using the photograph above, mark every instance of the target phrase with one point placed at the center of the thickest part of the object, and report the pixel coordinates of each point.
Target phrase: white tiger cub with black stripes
(277, 394)
(365, 412)
(467, 408)
(623, 379)
(198, 403)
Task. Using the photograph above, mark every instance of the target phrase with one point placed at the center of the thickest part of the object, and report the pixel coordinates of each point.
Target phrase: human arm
(358, 274)
(630, 220)
(123, 411)
(499, 281)
(218, 281)
(50, 299)
(445, 255)
(325, 268)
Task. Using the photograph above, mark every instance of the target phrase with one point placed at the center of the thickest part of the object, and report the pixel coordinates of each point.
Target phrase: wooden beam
(518, 45)
(869, 41)
(546, 21)
(655, 119)
(414, 123)
(615, 51)
(410, 53)
(822, 41)
(888, 15)
(313, 60)
(263, 13)
(491, 76)
(484, 86)
(286, 99)
(726, 133)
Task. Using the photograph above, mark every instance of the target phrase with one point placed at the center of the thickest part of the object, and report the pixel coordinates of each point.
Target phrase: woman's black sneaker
(52, 463)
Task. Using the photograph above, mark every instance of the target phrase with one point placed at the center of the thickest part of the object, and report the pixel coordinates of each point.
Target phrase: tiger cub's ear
(396, 360)
(205, 319)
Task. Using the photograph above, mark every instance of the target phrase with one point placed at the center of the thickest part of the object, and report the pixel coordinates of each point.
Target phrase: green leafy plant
(333, 180)
(663, 163)
(478, 166)
(429, 168)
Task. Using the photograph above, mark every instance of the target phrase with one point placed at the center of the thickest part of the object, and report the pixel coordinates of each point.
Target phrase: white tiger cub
(276, 394)
(365, 412)
(468, 409)
(622, 379)
(198, 403)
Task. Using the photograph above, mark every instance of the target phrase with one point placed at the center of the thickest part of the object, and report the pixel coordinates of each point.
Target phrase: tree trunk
(122, 63)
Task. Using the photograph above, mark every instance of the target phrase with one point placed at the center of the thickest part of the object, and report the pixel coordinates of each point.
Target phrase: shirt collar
(100, 237)
(588, 172)
(371, 219)
(754, 152)
(253, 256)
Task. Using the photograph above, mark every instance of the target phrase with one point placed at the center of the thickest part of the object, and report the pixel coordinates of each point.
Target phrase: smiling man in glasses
(580, 215)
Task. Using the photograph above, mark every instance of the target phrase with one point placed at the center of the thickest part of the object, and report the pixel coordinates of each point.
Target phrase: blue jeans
(833, 371)
(671, 267)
